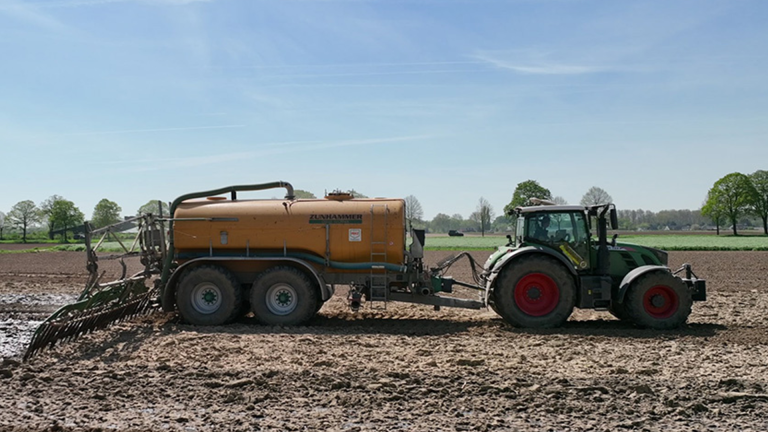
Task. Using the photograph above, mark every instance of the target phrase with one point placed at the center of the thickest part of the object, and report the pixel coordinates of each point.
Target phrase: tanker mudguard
(634, 274)
(168, 295)
(525, 251)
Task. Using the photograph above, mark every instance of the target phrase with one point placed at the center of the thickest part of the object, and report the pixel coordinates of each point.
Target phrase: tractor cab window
(519, 231)
(565, 232)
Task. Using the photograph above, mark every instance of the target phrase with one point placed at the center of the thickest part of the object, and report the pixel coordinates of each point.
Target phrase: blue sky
(447, 100)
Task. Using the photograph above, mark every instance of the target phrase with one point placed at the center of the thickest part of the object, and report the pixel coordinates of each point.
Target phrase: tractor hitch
(697, 286)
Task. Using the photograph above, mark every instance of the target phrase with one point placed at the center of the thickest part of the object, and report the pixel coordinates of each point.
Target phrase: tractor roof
(550, 208)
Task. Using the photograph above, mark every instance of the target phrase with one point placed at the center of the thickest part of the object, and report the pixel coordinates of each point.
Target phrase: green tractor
(554, 264)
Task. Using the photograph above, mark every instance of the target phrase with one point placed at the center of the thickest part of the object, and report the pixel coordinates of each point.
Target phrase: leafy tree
(105, 213)
(485, 214)
(502, 223)
(559, 200)
(153, 208)
(713, 209)
(2, 224)
(440, 223)
(594, 196)
(760, 199)
(413, 210)
(23, 215)
(66, 215)
(46, 207)
(734, 194)
(356, 194)
(457, 222)
(302, 194)
(524, 192)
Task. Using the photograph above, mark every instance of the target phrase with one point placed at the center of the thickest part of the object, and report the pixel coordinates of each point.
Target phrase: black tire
(535, 292)
(209, 295)
(619, 310)
(319, 306)
(492, 305)
(284, 296)
(659, 301)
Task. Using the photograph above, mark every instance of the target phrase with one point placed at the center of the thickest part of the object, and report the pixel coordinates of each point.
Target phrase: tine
(71, 324)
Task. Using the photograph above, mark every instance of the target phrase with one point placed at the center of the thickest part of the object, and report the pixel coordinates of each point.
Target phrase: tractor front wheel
(209, 295)
(619, 310)
(284, 296)
(659, 301)
(535, 292)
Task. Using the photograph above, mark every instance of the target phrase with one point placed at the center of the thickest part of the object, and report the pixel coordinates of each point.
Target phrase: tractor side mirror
(614, 219)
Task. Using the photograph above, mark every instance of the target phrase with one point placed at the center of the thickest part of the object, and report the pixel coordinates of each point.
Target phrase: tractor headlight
(660, 255)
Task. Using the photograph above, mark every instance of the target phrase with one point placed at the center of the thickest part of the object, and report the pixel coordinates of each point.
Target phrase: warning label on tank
(336, 218)
(355, 234)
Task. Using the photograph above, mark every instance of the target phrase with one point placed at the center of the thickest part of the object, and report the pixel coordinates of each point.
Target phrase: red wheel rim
(536, 294)
(660, 301)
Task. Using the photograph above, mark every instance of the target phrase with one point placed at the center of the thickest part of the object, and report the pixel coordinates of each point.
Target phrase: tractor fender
(633, 275)
(504, 261)
(168, 296)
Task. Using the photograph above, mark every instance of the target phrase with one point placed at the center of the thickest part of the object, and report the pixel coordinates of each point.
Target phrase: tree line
(736, 199)
(735, 196)
(59, 217)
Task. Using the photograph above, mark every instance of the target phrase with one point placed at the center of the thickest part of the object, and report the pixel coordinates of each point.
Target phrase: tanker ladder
(378, 282)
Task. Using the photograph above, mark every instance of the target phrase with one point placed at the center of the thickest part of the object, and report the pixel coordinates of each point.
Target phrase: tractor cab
(563, 229)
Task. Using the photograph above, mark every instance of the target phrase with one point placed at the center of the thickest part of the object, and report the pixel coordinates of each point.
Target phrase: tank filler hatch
(339, 196)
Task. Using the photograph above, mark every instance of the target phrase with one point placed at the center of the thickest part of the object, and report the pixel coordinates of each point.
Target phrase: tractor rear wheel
(659, 301)
(535, 292)
(284, 296)
(209, 295)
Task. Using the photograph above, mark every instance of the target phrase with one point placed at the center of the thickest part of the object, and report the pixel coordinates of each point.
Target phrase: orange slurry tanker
(216, 258)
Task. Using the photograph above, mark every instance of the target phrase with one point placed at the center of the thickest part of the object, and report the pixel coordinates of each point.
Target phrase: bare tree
(485, 214)
(559, 200)
(594, 196)
(413, 210)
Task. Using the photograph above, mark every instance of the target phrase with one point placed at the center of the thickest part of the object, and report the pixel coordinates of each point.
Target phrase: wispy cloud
(78, 3)
(39, 14)
(539, 66)
(267, 149)
(30, 13)
(133, 131)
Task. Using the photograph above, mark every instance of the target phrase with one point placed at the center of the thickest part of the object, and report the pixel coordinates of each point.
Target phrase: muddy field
(404, 368)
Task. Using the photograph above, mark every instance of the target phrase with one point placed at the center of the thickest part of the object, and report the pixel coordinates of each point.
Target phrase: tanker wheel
(209, 295)
(283, 296)
(658, 301)
(319, 306)
(535, 292)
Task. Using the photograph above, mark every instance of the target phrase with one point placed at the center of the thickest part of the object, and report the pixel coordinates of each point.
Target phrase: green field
(666, 242)
(670, 242)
